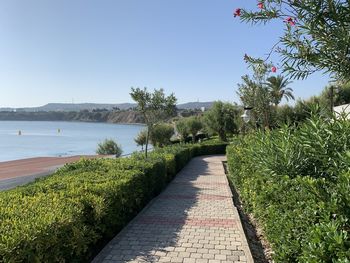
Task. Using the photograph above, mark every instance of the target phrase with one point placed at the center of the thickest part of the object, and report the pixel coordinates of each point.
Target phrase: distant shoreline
(77, 121)
(121, 117)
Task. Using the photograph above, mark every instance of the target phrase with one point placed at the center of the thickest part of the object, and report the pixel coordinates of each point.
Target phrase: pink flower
(290, 21)
(274, 69)
(261, 5)
(237, 12)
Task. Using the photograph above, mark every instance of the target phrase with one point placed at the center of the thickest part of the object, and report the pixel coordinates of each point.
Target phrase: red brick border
(198, 183)
(200, 197)
(208, 222)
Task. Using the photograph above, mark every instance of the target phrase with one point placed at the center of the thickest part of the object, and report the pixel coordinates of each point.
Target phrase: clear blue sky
(95, 50)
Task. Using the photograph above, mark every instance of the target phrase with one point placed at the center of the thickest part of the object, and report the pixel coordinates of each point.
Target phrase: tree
(109, 147)
(182, 129)
(194, 125)
(342, 94)
(161, 134)
(154, 107)
(254, 93)
(221, 119)
(278, 89)
(334, 95)
(141, 138)
(316, 36)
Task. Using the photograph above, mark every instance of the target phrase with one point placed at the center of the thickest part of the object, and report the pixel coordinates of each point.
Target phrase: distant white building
(343, 109)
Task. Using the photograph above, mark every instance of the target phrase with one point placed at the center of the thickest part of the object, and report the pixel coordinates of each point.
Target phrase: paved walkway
(192, 221)
(19, 172)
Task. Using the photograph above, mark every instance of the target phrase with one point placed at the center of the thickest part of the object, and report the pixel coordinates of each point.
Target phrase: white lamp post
(246, 114)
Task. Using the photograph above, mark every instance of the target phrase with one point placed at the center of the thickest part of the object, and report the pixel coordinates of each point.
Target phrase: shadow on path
(192, 220)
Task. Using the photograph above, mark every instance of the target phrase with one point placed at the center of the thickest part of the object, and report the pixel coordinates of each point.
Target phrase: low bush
(109, 147)
(61, 218)
(296, 183)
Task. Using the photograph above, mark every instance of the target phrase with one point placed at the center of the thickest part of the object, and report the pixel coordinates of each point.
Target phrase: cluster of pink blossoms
(289, 20)
(237, 12)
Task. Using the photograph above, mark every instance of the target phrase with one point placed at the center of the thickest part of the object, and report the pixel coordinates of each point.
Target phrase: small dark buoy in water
(19, 132)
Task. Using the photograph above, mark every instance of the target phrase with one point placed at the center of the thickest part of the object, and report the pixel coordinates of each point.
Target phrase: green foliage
(260, 92)
(109, 147)
(161, 134)
(182, 129)
(316, 35)
(155, 107)
(141, 138)
(211, 146)
(61, 218)
(278, 87)
(320, 104)
(194, 125)
(255, 93)
(342, 94)
(189, 126)
(222, 119)
(257, 96)
(296, 182)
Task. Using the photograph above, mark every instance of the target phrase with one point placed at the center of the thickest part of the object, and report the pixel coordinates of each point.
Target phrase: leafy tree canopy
(221, 119)
(316, 36)
(182, 129)
(141, 138)
(194, 125)
(161, 134)
(155, 107)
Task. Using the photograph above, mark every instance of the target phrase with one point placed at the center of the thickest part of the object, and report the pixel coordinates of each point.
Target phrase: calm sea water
(61, 138)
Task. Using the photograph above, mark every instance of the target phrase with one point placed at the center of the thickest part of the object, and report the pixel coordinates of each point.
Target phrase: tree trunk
(222, 136)
(332, 98)
(147, 138)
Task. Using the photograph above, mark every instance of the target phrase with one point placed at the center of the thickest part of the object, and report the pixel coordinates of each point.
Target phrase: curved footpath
(20, 172)
(192, 220)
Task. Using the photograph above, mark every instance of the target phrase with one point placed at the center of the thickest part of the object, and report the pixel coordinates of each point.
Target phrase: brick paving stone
(192, 221)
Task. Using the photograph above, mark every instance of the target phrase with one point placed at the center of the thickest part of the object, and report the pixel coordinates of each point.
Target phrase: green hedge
(296, 183)
(62, 217)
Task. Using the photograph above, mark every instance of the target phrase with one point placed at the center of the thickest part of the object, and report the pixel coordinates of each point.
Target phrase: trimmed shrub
(296, 183)
(62, 217)
(59, 218)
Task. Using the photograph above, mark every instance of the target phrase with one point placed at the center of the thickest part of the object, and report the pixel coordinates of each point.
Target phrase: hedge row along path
(19, 172)
(192, 220)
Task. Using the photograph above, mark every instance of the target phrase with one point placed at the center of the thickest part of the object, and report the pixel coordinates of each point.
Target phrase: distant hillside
(72, 107)
(93, 106)
(83, 116)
